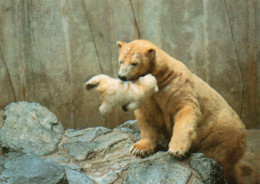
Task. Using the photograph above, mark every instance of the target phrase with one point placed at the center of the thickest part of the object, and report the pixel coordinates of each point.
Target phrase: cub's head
(135, 59)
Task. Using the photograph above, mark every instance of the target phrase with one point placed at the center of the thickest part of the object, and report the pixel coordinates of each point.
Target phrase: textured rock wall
(48, 49)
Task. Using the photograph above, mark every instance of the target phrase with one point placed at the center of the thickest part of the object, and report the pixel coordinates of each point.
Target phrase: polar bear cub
(127, 94)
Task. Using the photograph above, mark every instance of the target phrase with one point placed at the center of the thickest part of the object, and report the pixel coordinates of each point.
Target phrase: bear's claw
(177, 154)
(138, 152)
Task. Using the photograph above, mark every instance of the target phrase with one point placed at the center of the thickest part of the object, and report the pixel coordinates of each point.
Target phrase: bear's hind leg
(226, 144)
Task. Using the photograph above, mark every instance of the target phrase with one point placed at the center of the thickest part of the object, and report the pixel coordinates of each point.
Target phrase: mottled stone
(75, 177)
(11, 155)
(157, 172)
(80, 147)
(74, 167)
(31, 169)
(208, 169)
(79, 151)
(130, 126)
(85, 135)
(3, 160)
(101, 156)
(30, 128)
(58, 159)
(107, 178)
(197, 181)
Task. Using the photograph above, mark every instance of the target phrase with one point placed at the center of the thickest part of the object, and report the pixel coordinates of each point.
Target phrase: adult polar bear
(186, 110)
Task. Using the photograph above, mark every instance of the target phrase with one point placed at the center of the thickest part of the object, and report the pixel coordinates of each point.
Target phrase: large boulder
(87, 156)
(158, 171)
(30, 128)
(31, 169)
(104, 156)
(208, 169)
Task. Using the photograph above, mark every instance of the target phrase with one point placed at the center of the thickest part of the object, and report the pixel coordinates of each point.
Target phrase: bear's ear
(151, 52)
(119, 44)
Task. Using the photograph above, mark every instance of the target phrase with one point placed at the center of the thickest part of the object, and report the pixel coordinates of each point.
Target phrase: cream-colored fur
(115, 92)
(186, 110)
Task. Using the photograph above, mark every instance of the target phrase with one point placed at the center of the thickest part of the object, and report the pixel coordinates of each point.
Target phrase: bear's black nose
(123, 78)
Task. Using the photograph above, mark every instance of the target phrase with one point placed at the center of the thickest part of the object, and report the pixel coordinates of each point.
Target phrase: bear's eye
(121, 62)
(133, 64)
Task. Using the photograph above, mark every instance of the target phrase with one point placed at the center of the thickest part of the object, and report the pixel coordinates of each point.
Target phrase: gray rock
(80, 142)
(74, 167)
(30, 128)
(31, 169)
(75, 177)
(104, 156)
(130, 126)
(80, 148)
(11, 155)
(3, 160)
(197, 181)
(158, 155)
(109, 140)
(208, 169)
(108, 178)
(58, 159)
(85, 135)
(162, 172)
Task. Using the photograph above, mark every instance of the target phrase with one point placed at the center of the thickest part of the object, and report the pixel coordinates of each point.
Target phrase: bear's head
(135, 59)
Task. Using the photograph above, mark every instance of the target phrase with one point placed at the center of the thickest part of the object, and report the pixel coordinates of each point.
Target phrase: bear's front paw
(178, 151)
(177, 154)
(143, 148)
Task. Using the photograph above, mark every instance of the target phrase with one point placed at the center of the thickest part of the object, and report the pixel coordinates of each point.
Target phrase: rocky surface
(101, 156)
(208, 169)
(164, 170)
(30, 128)
(93, 155)
(30, 168)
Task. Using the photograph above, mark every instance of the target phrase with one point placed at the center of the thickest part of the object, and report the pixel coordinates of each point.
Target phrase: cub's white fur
(114, 92)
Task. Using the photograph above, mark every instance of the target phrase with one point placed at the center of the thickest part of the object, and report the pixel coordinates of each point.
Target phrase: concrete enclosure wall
(49, 48)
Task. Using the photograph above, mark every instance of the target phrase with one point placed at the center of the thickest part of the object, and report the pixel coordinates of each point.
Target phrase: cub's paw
(143, 148)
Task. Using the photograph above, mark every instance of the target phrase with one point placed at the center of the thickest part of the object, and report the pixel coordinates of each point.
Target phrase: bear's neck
(167, 69)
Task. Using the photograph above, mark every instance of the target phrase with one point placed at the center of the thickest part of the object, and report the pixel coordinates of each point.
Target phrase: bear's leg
(226, 144)
(184, 131)
(149, 136)
(228, 159)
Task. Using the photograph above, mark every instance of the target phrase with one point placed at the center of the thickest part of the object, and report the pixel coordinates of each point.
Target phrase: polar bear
(128, 95)
(186, 110)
